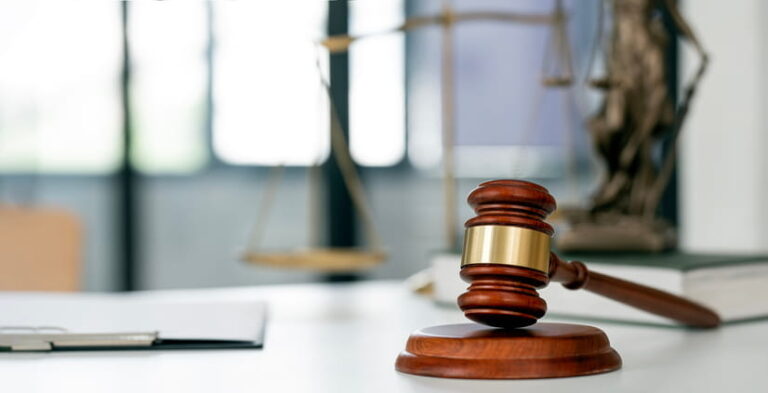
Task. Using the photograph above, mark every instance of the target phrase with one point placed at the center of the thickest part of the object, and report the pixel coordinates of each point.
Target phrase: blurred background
(156, 126)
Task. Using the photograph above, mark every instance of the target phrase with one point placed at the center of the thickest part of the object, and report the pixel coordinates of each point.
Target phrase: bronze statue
(636, 114)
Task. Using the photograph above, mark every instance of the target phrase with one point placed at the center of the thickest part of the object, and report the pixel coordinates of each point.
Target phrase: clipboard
(33, 322)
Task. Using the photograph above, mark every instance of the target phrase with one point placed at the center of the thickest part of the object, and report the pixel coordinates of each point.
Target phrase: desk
(344, 338)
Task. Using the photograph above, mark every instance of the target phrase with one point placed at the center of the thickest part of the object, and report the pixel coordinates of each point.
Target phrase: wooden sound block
(544, 350)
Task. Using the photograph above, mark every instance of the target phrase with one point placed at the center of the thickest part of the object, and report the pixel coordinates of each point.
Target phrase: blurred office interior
(158, 124)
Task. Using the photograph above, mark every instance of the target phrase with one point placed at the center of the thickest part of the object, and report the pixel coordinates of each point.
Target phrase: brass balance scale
(557, 73)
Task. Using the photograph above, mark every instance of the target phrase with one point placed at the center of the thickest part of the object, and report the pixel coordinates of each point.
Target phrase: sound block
(473, 351)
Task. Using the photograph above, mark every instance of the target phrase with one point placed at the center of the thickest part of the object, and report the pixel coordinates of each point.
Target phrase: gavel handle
(575, 275)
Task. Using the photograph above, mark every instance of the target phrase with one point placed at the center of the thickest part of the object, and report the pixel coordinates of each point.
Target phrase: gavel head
(506, 253)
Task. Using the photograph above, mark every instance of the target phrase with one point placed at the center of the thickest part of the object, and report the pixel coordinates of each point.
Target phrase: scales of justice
(557, 72)
(506, 255)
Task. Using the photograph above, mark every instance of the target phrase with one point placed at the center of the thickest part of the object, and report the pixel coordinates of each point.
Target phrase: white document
(104, 314)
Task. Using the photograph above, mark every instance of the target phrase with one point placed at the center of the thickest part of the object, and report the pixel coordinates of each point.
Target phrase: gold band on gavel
(506, 245)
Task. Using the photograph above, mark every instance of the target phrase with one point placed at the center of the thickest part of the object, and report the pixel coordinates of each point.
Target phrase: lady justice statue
(637, 113)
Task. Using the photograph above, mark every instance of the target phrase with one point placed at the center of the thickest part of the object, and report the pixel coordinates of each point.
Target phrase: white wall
(724, 169)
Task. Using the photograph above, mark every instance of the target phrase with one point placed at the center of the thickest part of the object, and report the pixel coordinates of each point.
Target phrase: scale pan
(322, 259)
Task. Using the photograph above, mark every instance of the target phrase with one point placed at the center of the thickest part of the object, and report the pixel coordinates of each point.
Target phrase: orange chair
(40, 249)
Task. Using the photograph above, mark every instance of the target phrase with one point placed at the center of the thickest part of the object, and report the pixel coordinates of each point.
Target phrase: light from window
(168, 85)
(269, 105)
(59, 86)
(377, 84)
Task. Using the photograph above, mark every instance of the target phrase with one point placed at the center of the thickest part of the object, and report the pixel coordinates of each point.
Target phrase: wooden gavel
(507, 258)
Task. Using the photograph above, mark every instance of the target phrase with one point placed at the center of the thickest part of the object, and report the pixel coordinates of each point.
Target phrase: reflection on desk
(345, 338)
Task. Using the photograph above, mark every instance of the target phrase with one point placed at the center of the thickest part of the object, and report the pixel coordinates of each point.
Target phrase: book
(734, 286)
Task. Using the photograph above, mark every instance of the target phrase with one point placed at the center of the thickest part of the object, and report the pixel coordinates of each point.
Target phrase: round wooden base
(544, 350)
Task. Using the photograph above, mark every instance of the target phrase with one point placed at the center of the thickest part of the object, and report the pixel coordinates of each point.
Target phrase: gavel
(507, 258)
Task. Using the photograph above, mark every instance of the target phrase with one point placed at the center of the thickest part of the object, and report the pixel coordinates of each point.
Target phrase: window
(60, 108)
(506, 122)
(270, 107)
(168, 85)
(269, 104)
(377, 84)
(59, 86)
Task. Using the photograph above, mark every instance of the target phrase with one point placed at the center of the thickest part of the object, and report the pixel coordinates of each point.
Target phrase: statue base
(616, 233)
(473, 351)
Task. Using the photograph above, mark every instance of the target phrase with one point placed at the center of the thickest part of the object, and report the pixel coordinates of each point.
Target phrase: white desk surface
(345, 338)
